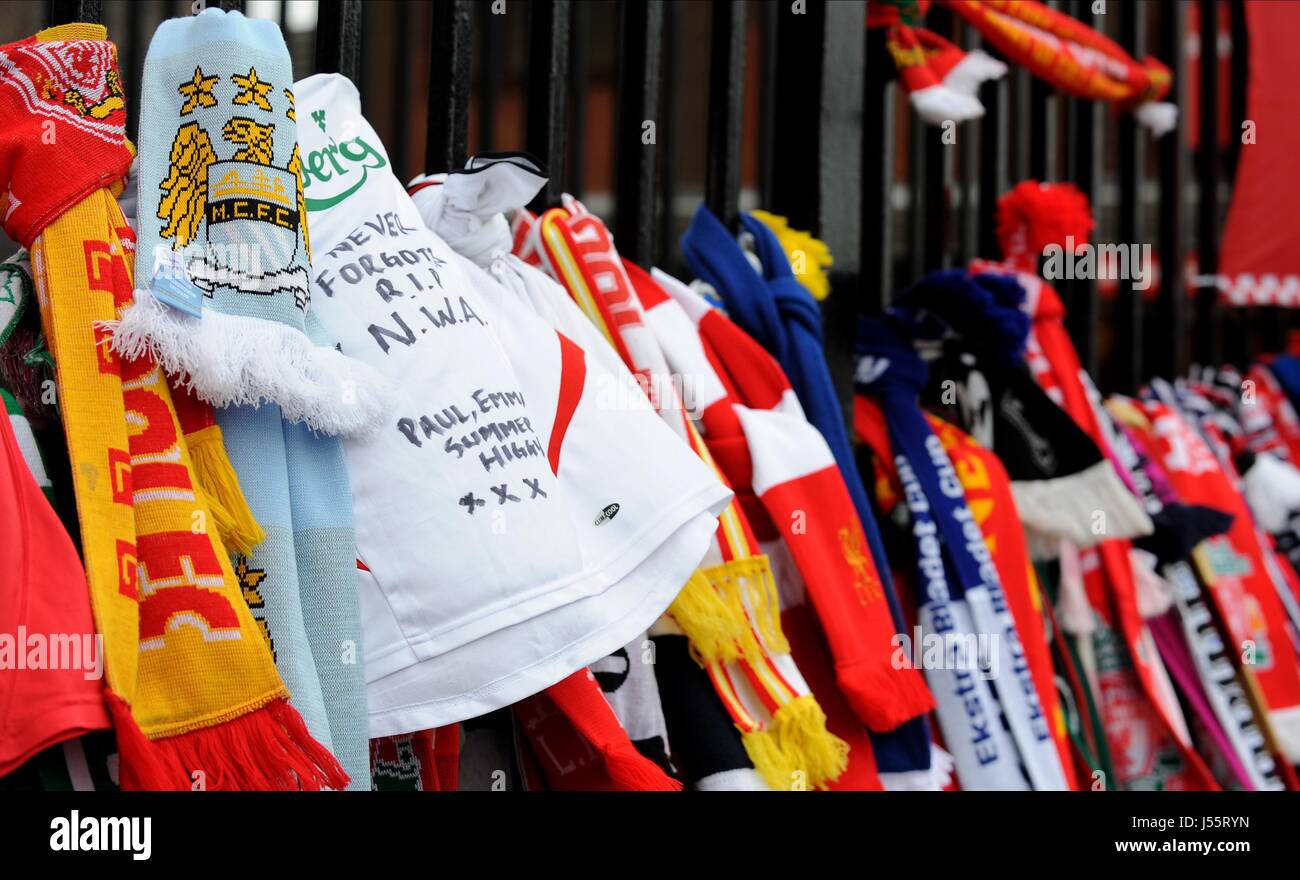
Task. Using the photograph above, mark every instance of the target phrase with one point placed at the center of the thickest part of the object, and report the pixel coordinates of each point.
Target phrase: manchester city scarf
(224, 259)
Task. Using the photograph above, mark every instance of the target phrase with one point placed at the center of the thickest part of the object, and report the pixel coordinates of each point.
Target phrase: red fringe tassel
(269, 749)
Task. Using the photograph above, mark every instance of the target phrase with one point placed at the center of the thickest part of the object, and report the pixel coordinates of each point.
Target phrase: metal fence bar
(1167, 349)
(548, 52)
(638, 123)
(575, 172)
(1208, 343)
(726, 110)
(666, 241)
(1126, 353)
(1084, 151)
(68, 11)
(489, 71)
(876, 228)
(451, 42)
(796, 146)
(995, 144)
(400, 106)
(338, 38)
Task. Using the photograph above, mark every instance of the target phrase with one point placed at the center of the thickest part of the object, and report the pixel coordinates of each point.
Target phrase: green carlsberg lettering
(337, 162)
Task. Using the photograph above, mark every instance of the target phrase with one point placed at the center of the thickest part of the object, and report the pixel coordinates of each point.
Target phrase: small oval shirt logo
(610, 511)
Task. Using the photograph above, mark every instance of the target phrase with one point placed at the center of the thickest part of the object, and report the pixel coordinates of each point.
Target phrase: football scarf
(960, 578)
(782, 466)
(500, 445)
(224, 260)
(1179, 529)
(729, 608)
(165, 598)
(49, 689)
(1244, 590)
(808, 255)
(1059, 49)
(191, 686)
(974, 331)
(1030, 217)
(941, 80)
(580, 744)
(778, 313)
(794, 498)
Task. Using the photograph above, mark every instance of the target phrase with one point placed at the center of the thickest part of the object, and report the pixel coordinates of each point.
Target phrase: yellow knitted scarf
(195, 696)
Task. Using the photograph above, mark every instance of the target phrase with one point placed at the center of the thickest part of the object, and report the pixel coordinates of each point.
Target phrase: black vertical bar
(641, 52)
(967, 184)
(230, 5)
(400, 104)
(133, 66)
(1208, 343)
(579, 65)
(1125, 362)
(938, 174)
(548, 50)
(338, 38)
(1084, 151)
(667, 137)
(796, 104)
(995, 144)
(770, 86)
(726, 110)
(68, 11)
(451, 38)
(1166, 334)
(489, 77)
(1039, 120)
(877, 278)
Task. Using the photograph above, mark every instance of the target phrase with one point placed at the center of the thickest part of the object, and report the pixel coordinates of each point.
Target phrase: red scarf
(1065, 52)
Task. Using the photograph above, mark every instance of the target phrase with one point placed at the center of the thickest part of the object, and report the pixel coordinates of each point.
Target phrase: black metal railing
(832, 133)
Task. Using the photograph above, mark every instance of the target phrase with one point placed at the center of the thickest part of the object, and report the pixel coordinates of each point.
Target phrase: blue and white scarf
(960, 592)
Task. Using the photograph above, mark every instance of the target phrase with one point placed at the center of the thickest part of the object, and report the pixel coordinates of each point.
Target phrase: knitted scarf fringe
(229, 360)
(795, 747)
(268, 749)
(236, 526)
(936, 777)
(717, 605)
(1068, 507)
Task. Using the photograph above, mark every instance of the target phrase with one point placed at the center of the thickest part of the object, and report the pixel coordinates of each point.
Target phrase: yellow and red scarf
(194, 694)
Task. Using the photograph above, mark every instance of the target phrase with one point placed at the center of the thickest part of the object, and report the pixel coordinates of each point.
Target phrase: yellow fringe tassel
(795, 751)
(809, 256)
(235, 523)
(716, 606)
(715, 633)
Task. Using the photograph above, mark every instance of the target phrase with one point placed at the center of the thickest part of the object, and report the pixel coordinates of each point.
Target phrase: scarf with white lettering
(963, 589)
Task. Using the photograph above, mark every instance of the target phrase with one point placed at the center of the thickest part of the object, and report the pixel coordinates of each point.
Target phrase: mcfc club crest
(238, 223)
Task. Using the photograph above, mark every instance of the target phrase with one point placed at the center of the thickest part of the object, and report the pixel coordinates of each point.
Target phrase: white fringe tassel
(230, 360)
(1069, 508)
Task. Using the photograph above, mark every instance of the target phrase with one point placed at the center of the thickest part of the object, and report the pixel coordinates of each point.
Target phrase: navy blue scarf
(957, 576)
(782, 316)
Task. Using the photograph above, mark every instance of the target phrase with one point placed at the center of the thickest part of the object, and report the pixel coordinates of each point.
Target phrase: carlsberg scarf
(891, 370)
(224, 259)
